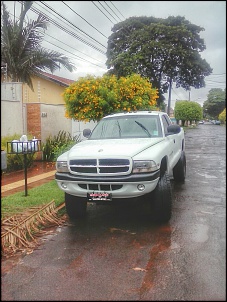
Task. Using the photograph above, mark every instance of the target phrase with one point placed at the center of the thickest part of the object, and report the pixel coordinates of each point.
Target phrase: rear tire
(161, 202)
(75, 206)
(179, 171)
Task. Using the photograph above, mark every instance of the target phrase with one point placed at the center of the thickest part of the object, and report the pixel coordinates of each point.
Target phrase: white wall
(53, 120)
(13, 119)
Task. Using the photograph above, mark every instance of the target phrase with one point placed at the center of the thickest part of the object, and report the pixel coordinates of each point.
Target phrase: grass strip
(17, 203)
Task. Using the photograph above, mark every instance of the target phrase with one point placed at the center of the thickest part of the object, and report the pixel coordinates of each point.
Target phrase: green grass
(41, 195)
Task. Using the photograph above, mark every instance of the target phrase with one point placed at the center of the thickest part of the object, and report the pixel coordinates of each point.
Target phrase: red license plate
(99, 196)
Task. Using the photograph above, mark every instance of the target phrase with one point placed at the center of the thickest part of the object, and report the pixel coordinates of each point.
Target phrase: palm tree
(21, 49)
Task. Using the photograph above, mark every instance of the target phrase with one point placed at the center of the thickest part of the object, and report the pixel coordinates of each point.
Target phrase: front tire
(179, 171)
(75, 206)
(161, 202)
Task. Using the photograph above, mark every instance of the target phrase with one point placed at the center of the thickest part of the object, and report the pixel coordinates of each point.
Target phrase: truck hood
(111, 148)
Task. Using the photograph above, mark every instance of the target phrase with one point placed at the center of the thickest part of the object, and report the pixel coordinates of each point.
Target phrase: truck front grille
(107, 166)
(98, 187)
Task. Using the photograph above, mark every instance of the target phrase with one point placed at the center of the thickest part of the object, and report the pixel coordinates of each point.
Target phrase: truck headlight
(143, 166)
(61, 166)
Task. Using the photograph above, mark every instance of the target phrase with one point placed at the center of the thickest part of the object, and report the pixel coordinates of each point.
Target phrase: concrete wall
(40, 113)
(53, 120)
(13, 112)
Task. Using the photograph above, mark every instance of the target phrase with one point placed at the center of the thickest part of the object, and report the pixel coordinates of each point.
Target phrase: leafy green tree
(21, 49)
(180, 111)
(222, 116)
(91, 98)
(187, 111)
(194, 112)
(215, 103)
(164, 50)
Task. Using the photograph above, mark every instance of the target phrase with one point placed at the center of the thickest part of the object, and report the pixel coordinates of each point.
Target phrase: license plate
(99, 196)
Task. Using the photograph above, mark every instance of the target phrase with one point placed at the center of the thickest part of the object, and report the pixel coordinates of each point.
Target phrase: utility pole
(169, 98)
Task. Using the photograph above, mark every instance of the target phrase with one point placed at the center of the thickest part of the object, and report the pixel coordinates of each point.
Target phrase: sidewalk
(14, 182)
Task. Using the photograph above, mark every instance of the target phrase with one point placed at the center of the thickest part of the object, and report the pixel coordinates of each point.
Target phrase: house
(41, 112)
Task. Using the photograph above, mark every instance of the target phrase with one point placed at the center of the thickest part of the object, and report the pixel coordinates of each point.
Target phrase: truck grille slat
(97, 187)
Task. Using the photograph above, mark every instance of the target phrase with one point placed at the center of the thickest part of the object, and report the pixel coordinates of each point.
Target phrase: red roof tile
(60, 80)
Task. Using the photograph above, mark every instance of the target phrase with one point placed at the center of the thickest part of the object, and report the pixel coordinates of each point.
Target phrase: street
(118, 253)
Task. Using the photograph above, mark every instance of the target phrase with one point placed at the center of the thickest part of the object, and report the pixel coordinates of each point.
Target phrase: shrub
(91, 98)
(222, 116)
(56, 145)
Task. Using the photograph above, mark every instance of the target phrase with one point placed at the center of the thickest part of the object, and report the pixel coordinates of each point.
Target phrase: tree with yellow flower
(90, 98)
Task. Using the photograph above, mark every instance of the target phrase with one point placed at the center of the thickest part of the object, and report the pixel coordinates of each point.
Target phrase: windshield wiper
(119, 127)
(144, 128)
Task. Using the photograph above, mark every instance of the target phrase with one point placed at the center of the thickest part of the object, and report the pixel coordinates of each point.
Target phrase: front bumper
(127, 186)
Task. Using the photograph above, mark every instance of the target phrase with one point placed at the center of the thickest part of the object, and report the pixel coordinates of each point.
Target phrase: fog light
(141, 187)
(64, 186)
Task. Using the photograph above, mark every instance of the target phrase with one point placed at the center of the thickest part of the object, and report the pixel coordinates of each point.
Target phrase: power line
(63, 22)
(117, 9)
(72, 24)
(78, 57)
(70, 47)
(215, 81)
(85, 20)
(102, 12)
(217, 74)
(69, 32)
(107, 11)
(124, 29)
(65, 30)
(112, 11)
(41, 12)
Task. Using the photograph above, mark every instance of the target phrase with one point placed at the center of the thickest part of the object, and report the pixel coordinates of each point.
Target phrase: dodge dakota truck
(127, 156)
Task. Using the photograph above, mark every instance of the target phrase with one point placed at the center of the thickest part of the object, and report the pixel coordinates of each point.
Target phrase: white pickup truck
(126, 156)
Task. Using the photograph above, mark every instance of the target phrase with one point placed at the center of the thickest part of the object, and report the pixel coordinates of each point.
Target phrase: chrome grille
(108, 166)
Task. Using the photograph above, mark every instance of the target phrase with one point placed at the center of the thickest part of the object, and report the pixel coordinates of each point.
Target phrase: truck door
(173, 150)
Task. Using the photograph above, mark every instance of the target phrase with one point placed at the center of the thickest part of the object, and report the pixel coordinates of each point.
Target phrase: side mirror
(173, 129)
(86, 132)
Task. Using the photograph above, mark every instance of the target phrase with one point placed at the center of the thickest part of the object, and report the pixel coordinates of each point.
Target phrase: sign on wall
(11, 91)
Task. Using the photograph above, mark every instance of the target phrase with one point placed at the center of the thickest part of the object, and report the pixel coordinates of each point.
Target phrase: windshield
(127, 127)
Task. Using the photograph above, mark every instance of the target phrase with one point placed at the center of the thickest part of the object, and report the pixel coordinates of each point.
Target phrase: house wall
(53, 120)
(13, 113)
(11, 118)
(45, 108)
(39, 113)
(45, 92)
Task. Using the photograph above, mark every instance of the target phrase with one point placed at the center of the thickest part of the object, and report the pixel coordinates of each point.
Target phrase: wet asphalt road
(118, 253)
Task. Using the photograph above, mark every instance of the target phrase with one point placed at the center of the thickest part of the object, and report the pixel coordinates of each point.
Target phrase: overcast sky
(90, 23)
